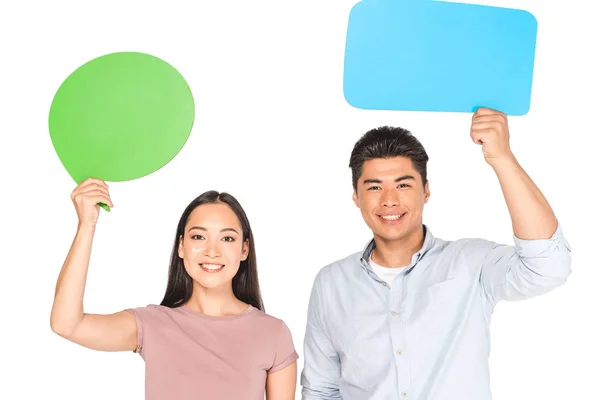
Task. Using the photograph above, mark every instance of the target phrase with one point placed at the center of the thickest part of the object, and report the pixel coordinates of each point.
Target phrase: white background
(272, 128)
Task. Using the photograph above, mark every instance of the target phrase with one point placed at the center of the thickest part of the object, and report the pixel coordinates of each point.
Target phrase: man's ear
(427, 192)
(355, 198)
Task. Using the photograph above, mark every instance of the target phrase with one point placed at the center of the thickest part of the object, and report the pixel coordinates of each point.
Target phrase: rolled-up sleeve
(529, 268)
(322, 369)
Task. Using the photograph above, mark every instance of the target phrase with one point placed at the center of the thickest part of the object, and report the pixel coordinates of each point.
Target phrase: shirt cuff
(532, 248)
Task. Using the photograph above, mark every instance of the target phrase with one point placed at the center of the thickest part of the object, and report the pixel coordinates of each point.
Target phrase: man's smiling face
(391, 197)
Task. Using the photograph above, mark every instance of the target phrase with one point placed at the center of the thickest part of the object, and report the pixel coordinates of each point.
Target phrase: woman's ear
(180, 249)
(245, 250)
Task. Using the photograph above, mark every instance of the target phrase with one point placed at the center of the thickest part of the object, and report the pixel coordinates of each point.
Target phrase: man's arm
(540, 259)
(322, 368)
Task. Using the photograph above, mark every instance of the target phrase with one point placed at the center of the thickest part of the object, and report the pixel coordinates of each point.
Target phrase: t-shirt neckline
(246, 311)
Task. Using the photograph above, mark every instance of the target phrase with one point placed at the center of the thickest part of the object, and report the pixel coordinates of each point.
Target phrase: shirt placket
(397, 332)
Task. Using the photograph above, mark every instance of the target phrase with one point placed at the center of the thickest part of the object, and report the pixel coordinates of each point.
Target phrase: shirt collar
(428, 243)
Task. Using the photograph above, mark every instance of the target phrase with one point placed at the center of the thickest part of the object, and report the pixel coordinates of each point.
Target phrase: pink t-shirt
(190, 355)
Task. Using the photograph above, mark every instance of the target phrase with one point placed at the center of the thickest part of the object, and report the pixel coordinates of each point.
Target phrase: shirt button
(404, 394)
(394, 313)
(399, 352)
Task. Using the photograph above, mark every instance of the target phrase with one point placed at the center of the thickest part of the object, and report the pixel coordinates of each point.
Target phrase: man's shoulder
(462, 247)
(340, 267)
(463, 242)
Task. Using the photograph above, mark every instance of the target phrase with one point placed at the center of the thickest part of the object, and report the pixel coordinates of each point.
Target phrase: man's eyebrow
(399, 179)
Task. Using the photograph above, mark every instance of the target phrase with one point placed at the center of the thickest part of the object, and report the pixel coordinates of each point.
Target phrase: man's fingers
(480, 135)
(479, 125)
(487, 111)
(489, 118)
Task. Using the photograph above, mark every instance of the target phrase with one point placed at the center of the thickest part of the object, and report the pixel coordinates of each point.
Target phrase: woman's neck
(217, 302)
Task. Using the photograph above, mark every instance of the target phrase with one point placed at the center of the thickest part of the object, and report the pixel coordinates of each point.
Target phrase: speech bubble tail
(107, 208)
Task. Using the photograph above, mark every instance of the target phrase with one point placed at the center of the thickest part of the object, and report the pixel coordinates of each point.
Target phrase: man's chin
(390, 237)
(397, 233)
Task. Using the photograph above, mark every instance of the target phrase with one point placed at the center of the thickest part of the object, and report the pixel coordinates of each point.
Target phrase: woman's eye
(197, 237)
(228, 239)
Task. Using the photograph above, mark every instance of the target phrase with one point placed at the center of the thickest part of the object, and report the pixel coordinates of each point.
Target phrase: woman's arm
(113, 332)
(281, 385)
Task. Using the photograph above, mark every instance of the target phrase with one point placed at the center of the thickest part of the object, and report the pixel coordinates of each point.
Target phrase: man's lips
(391, 218)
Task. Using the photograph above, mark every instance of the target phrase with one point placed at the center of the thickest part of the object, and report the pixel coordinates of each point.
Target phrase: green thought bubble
(120, 117)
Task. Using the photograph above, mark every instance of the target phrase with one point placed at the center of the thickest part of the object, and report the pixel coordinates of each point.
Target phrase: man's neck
(398, 253)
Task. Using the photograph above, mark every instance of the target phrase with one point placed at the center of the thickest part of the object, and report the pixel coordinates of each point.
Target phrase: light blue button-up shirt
(426, 336)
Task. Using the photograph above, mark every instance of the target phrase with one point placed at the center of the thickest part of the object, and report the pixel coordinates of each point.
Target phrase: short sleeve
(141, 315)
(285, 352)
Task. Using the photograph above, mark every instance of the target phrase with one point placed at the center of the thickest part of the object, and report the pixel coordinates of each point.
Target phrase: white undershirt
(385, 274)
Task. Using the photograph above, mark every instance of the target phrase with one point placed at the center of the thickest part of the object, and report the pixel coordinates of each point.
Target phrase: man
(408, 317)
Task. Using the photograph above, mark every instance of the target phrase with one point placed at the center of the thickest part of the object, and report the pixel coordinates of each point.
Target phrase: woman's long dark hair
(245, 282)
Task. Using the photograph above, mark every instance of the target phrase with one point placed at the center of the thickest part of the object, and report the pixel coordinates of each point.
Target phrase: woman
(210, 337)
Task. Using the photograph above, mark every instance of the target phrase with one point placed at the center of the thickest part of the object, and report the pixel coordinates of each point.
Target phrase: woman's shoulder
(278, 338)
(154, 311)
(267, 321)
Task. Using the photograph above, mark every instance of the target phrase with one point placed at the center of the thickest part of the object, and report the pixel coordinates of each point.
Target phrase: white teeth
(391, 217)
(212, 266)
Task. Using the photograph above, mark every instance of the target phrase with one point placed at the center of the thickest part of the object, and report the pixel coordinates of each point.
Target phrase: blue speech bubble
(421, 55)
